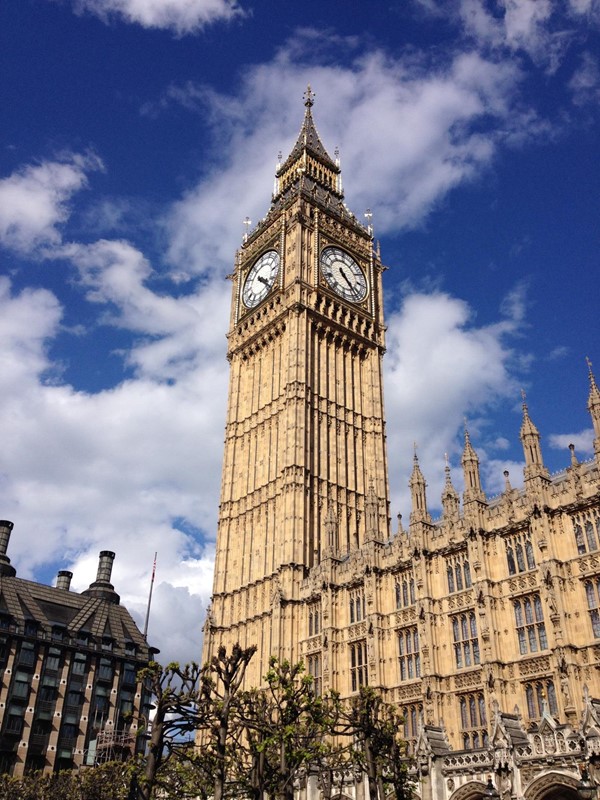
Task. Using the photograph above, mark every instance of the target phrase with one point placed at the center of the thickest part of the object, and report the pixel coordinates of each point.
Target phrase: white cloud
(34, 201)
(410, 134)
(180, 16)
(589, 8)
(439, 368)
(179, 334)
(135, 468)
(492, 473)
(525, 21)
(583, 441)
(26, 323)
(538, 28)
(585, 82)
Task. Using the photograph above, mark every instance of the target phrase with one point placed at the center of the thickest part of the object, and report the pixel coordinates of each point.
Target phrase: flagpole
(150, 597)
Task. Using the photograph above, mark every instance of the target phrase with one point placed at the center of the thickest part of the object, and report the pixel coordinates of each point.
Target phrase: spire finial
(247, 223)
(525, 408)
(591, 373)
(415, 457)
(447, 470)
(309, 97)
(574, 461)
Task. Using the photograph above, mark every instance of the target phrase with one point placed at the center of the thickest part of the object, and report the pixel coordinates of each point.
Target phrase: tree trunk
(153, 759)
(371, 772)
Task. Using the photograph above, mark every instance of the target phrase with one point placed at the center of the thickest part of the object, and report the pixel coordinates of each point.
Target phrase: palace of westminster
(483, 627)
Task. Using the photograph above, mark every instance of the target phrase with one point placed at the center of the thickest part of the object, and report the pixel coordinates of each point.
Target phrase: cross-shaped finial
(309, 97)
(523, 396)
(589, 363)
(247, 223)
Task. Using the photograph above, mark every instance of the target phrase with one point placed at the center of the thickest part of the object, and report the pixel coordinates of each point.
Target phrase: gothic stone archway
(553, 786)
(474, 790)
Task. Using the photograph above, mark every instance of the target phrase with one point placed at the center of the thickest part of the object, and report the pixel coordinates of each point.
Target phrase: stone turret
(470, 464)
(530, 439)
(450, 499)
(594, 408)
(419, 512)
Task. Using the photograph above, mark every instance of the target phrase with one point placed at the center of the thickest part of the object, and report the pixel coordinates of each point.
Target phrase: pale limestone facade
(458, 620)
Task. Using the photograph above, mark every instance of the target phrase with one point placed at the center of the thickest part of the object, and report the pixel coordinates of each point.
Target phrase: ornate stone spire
(331, 530)
(310, 162)
(418, 493)
(530, 439)
(470, 463)
(371, 513)
(450, 500)
(594, 408)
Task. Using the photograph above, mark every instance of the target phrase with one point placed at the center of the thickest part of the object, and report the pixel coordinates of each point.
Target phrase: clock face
(261, 278)
(343, 274)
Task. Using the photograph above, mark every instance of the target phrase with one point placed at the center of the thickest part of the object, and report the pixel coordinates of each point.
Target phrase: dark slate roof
(25, 601)
(309, 140)
(320, 194)
(433, 741)
(512, 726)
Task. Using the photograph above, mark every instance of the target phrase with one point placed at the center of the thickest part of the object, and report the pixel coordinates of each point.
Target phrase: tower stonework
(304, 471)
(483, 626)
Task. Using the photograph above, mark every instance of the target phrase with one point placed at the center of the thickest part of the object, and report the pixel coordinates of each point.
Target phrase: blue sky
(138, 134)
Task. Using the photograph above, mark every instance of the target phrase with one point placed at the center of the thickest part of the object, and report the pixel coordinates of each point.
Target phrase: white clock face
(343, 274)
(261, 278)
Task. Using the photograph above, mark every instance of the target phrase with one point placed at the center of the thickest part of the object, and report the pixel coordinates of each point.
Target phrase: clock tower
(304, 471)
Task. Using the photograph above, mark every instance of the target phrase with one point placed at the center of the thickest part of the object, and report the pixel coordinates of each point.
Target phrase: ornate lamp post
(585, 788)
(491, 793)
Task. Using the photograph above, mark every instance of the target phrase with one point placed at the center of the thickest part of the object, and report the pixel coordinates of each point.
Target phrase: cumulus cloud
(539, 29)
(583, 441)
(34, 201)
(412, 130)
(440, 367)
(135, 467)
(180, 16)
(585, 82)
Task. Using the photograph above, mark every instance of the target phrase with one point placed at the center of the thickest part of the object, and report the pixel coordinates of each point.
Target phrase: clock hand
(345, 277)
(263, 280)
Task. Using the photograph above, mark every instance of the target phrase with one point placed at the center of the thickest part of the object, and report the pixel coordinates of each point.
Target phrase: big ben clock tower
(304, 471)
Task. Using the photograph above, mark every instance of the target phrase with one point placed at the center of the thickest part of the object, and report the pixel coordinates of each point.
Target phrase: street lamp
(491, 793)
(585, 788)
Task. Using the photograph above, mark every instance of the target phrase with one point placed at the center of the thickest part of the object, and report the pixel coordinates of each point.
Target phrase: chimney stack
(5, 531)
(63, 579)
(102, 587)
(105, 565)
